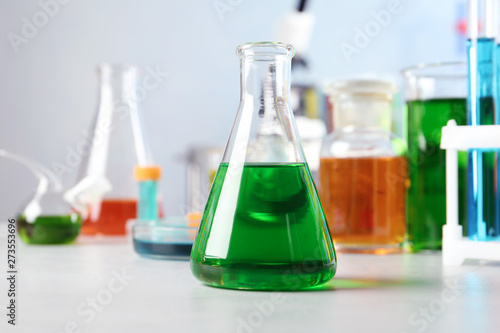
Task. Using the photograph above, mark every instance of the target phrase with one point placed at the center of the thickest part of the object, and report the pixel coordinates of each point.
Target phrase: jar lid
(368, 88)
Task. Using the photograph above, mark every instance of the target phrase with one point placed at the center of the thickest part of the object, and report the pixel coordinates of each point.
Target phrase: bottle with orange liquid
(362, 171)
(106, 192)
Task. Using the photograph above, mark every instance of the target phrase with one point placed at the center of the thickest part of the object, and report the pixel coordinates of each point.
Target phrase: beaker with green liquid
(263, 227)
(435, 93)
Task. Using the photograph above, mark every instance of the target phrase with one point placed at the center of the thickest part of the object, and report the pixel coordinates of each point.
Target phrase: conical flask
(106, 192)
(263, 227)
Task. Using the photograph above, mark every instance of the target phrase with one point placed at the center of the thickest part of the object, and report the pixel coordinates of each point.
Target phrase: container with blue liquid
(155, 237)
(483, 212)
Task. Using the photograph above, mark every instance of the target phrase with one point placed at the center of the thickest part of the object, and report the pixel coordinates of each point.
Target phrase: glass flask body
(263, 227)
(45, 218)
(55, 223)
(435, 93)
(363, 170)
(106, 191)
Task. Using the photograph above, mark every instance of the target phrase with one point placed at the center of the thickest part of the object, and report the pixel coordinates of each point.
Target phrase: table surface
(102, 285)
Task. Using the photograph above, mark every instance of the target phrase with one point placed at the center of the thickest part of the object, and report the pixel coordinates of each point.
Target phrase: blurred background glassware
(363, 172)
(435, 93)
(170, 238)
(483, 197)
(306, 99)
(46, 218)
(106, 191)
(201, 165)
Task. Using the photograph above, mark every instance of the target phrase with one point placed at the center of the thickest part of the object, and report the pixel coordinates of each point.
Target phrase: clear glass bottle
(363, 172)
(263, 227)
(106, 191)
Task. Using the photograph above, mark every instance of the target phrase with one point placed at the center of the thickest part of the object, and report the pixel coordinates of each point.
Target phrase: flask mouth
(265, 50)
(445, 70)
(116, 69)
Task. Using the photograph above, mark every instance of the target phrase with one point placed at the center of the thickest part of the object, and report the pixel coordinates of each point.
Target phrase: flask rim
(369, 88)
(451, 70)
(112, 67)
(265, 50)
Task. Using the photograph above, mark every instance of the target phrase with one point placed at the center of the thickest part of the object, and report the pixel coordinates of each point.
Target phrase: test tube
(482, 177)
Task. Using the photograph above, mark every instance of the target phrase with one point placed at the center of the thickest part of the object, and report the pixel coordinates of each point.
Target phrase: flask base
(268, 276)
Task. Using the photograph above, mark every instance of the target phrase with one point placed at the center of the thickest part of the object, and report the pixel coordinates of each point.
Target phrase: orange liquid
(364, 202)
(112, 219)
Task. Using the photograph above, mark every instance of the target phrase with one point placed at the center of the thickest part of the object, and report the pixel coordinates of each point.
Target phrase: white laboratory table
(104, 286)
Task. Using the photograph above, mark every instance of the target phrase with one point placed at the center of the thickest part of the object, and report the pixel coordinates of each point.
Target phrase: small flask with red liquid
(106, 192)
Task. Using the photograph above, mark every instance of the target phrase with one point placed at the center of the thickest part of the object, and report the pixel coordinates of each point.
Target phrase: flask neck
(265, 82)
(118, 82)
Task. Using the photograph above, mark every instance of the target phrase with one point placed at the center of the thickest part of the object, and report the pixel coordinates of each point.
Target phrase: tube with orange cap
(147, 206)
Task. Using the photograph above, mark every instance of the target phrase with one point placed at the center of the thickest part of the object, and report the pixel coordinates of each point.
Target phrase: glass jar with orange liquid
(362, 173)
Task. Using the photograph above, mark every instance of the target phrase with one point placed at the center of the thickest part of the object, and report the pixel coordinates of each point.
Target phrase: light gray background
(48, 89)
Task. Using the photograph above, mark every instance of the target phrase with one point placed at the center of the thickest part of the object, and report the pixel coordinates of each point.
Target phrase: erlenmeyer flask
(106, 192)
(45, 218)
(263, 226)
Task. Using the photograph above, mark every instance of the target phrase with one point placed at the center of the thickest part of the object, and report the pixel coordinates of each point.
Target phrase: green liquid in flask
(50, 229)
(263, 229)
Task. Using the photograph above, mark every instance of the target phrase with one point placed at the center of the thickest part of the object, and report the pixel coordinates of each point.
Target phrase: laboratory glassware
(46, 218)
(363, 172)
(201, 165)
(483, 206)
(106, 192)
(147, 177)
(263, 227)
(170, 238)
(435, 93)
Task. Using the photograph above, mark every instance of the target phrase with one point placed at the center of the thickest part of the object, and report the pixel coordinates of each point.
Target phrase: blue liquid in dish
(163, 250)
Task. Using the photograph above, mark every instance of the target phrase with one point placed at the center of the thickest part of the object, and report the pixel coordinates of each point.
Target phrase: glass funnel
(45, 218)
(263, 226)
